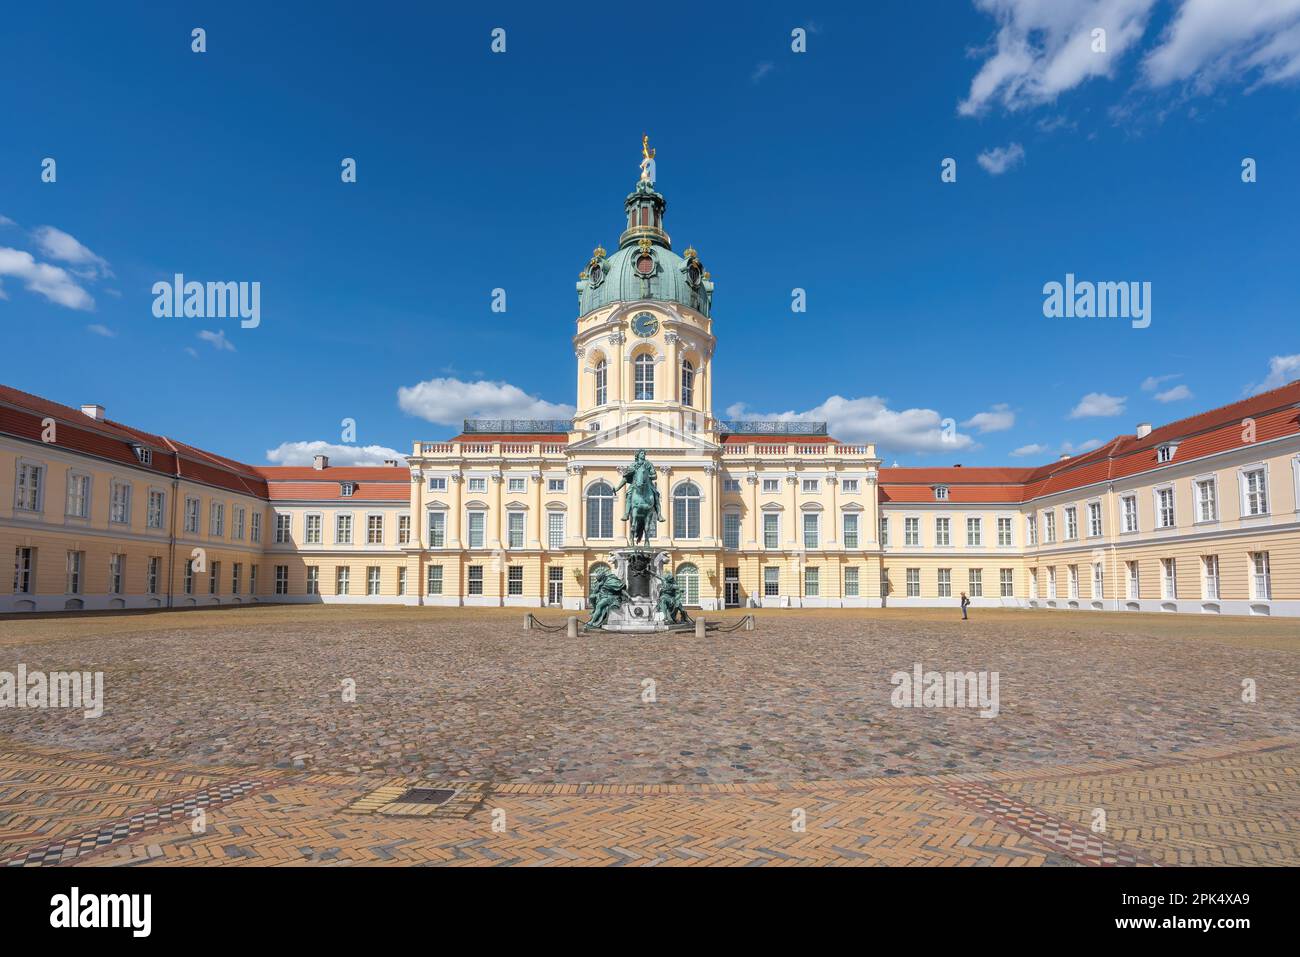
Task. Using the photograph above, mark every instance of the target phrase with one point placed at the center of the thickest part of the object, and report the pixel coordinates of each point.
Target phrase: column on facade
(497, 507)
(579, 354)
(614, 369)
(536, 521)
(831, 532)
(419, 534)
(674, 377)
(753, 521)
(711, 518)
(457, 516)
(573, 502)
(664, 478)
(792, 509)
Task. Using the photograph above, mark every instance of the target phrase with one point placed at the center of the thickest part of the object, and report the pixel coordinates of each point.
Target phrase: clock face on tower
(644, 324)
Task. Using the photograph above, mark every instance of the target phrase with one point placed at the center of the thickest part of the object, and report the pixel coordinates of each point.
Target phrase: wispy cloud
(1098, 405)
(997, 419)
(217, 340)
(1153, 382)
(101, 330)
(1281, 370)
(1175, 394)
(1034, 448)
(1213, 42)
(63, 247)
(762, 70)
(999, 159)
(53, 282)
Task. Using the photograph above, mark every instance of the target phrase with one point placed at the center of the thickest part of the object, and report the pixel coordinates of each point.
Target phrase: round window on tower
(645, 264)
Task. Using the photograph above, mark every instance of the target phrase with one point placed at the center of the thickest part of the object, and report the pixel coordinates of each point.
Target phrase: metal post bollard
(699, 627)
(571, 626)
(528, 622)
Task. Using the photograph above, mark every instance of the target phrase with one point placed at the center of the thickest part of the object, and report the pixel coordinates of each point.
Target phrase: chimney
(957, 466)
(1143, 430)
(96, 412)
(391, 463)
(1063, 457)
(319, 462)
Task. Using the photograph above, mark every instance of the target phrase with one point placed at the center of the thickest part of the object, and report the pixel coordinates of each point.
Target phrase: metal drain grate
(433, 796)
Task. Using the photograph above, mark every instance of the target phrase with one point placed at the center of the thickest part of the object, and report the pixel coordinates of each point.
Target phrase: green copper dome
(644, 267)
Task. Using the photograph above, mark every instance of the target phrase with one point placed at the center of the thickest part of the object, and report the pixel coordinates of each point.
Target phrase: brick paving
(558, 760)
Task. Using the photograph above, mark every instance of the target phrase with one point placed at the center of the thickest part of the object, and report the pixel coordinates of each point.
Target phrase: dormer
(347, 488)
(143, 454)
(941, 493)
(1165, 452)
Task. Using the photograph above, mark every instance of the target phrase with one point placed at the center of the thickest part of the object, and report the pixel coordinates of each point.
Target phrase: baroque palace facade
(1201, 515)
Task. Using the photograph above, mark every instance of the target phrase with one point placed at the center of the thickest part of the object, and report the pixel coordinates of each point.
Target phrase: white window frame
(555, 529)
(775, 519)
(1160, 511)
(1199, 484)
(33, 499)
(119, 502)
(1210, 579)
(943, 531)
(975, 531)
(911, 531)
(319, 537)
(852, 536)
(1096, 520)
(1004, 523)
(370, 521)
(439, 532)
(469, 528)
(512, 516)
(1243, 478)
(1129, 511)
(812, 523)
(339, 537)
(1071, 514)
(88, 483)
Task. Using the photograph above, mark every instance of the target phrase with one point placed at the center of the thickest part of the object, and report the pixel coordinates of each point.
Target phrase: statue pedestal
(640, 569)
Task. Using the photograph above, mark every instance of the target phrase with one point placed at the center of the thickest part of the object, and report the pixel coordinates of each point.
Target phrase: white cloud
(999, 159)
(1281, 370)
(1035, 448)
(302, 453)
(60, 246)
(997, 419)
(217, 339)
(53, 282)
(6, 221)
(449, 401)
(1069, 448)
(1098, 404)
(191, 351)
(1210, 41)
(1153, 382)
(762, 70)
(1173, 395)
(869, 419)
(101, 330)
(1044, 48)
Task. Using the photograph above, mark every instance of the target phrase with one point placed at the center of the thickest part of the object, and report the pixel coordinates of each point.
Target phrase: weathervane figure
(647, 160)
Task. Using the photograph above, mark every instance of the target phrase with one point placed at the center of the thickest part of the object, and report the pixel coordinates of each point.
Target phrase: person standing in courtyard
(965, 603)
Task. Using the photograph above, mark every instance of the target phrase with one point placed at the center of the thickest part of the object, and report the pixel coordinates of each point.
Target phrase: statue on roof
(647, 160)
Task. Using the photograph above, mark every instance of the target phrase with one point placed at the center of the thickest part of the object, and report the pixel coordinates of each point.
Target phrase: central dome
(644, 267)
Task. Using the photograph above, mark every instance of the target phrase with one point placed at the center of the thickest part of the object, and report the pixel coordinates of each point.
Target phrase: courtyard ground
(1118, 738)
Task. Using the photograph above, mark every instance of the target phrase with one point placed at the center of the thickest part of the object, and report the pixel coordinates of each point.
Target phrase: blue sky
(816, 170)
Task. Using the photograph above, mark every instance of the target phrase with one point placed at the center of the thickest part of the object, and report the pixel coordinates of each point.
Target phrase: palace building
(1200, 515)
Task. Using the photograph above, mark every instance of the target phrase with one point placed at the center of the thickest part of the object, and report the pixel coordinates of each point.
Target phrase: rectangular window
(238, 516)
(1210, 581)
(771, 581)
(945, 582)
(282, 579)
(942, 531)
(313, 579)
(236, 576)
(217, 520)
(438, 483)
(515, 530)
(115, 563)
(342, 579)
(1134, 583)
(811, 582)
(555, 530)
(1165, 508)
(1094, 519)
(437, 529)
(1007, 582)
(731, 485)
(1262, 582)
(283, 527)
(29, 488)
(811, 485)
(811, 530)
(771, 485)
(1049, 527)
(478, 485)
(214, 578)
(343, 528)
(477, 523)
(1073, 571)
(403, 529)
(516, 485)
(851, 530)
(911, 531)
(78, 505)
(884, 531)
(374, 529)
(189, 576)
(555, 485)
(771, 530)
(192, 506)
(1031, 529)
(433, 584)
(974, 532)
(1098, 582)
(1206, 505)
(1004, 531)
(372, 579)
(1071, 523)
(255, 528)
(849, 486)
(731, 530)
(151, 577)
(75, 561)
(515, 580)
(1130, 513)
(976, 583)
(1033, 583)
(312, 529)
(119, 504)
(1051, 582)
(475, 582)
(913, 583)
(401, 580)
(1169, 587)
(252, 579)
(1256, 493)
(850, 582)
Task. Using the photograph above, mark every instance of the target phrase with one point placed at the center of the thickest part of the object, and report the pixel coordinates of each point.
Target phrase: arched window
(688, 579)
(644, 377)
(600, 511)
(601, 393)
(686, 511)
(688, 382)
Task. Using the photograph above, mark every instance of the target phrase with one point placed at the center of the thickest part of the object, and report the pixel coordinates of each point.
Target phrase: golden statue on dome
(647, 160)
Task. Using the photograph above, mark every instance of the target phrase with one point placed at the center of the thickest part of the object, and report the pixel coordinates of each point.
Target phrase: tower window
(601, 393)
(688, 383)
(644, 378)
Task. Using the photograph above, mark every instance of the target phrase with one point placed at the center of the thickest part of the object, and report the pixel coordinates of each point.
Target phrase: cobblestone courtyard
(244, 712)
